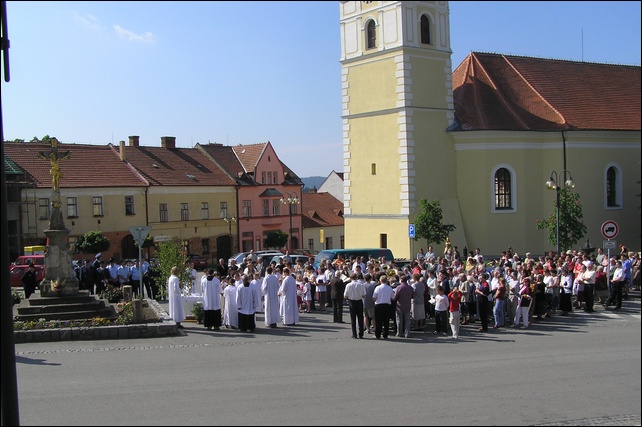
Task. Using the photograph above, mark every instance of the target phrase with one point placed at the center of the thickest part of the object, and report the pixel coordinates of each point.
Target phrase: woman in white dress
(176, 310)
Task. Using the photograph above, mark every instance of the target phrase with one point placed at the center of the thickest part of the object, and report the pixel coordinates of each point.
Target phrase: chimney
(134, 140)
(122, 151)
(168, 141)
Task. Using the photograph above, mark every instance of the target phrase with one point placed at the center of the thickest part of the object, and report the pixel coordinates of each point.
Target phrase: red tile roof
(321, 210)
(88, 166)
(174, 166)
(501, 92)
(249, 155)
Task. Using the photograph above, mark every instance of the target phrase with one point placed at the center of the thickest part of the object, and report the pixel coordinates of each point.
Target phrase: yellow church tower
(397, 106)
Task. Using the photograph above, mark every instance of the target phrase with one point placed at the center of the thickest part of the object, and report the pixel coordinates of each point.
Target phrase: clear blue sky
(246, 72)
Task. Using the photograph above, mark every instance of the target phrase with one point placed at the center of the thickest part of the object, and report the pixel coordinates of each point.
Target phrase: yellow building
(483, 140)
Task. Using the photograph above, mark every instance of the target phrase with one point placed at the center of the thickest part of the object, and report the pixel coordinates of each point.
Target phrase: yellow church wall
(532, 157)
(364, 77)
(368, 234)
(427, 74)
(374, 142)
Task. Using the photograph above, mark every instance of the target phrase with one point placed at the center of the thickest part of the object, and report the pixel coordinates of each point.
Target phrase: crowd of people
(384, 299)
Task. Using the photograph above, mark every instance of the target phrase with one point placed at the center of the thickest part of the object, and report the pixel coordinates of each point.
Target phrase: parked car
(21, 265)
(200, 263)
(294, 258)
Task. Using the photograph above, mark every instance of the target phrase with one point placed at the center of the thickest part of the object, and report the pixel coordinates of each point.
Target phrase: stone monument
(60, 279)
(60, 296)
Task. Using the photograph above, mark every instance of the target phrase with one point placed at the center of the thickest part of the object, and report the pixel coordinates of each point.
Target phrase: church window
(425, 30)
(613, 187)
(503, 189)
(373, 169)
(371, 33)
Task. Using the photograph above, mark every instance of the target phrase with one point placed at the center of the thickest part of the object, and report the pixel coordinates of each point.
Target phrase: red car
(200, 263)
(21, 265)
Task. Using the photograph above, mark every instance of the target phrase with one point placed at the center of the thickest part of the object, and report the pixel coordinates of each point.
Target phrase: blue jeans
(498, 312)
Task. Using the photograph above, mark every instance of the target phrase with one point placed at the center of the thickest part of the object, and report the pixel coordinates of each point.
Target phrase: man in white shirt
(589, 287)
(354, 293)
(617, 283)
(382, 297)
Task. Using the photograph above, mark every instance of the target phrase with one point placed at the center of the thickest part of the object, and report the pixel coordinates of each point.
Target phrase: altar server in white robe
(230, 313)
(176, 310)
(289, 306)
(246, 302)
(270, 290)
(212, 292)
(255, 284)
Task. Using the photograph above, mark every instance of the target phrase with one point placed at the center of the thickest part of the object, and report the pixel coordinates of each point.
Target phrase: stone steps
(76, 307)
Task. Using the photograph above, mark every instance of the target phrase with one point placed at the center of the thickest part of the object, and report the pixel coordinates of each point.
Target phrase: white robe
(231, 314)
(245, 299)
(211, 293)
(256, 287)
(289, 306)
(176, 309)
(196, 285)
(270, 289)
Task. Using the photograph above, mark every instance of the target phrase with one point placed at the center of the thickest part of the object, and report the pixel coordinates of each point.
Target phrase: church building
(483, 140)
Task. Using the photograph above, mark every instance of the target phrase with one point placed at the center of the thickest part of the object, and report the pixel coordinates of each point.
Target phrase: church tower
(397, 107)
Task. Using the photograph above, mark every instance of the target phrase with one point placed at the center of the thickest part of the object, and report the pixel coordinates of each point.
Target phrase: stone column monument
(59, 280)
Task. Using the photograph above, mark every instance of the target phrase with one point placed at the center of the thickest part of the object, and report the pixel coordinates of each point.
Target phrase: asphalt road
(578, 370)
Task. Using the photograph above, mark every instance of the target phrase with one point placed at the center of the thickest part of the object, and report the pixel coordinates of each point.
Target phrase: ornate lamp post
(290, 200)
(553, 184)
(229, 223)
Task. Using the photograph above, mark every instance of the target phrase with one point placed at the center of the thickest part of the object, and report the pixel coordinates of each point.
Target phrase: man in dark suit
(29, 280)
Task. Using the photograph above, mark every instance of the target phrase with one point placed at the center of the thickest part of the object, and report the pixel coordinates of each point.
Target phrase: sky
(246, 72)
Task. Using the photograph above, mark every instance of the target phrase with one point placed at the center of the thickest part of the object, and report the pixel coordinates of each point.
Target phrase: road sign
(609, 244)
(411, 231)
(140, 234)
(610, 229)
(158, 239)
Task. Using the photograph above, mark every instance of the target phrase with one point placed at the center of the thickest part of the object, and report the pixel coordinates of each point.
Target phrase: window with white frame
(97, 204)
(72, 207)
(503, 189)
(129, 205)
(163, 214)
(266, 207)
(205, 210)
(276, 207)
(43, 208)
(223, 209)
(184, 211)
(247, 208)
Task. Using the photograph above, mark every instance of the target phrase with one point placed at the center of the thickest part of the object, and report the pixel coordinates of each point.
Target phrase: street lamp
(290, 200)
(553, 184)
(229, 224)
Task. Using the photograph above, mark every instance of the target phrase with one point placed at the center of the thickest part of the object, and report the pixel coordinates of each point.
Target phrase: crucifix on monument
(60, 279)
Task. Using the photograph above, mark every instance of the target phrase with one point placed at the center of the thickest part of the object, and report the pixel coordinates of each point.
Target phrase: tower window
(425, 30)
(371, 30)
(373, 169)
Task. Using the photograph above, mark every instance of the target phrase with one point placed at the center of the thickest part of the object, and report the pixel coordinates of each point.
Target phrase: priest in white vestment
(270, 290)
(230, 313)
(212, 292)
(289, 306)
(176, 310)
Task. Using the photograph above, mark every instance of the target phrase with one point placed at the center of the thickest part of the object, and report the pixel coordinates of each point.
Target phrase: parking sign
(411, 231)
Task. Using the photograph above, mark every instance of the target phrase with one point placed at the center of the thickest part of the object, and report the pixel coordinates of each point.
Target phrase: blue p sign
(411, 231)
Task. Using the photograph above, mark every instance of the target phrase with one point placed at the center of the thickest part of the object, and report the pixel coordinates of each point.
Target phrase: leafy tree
(276, 239)
(93, 242)
(572, 229)
(429, 223)
(170, 254)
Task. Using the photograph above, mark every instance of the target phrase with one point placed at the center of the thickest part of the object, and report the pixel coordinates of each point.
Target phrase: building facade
(415, 130)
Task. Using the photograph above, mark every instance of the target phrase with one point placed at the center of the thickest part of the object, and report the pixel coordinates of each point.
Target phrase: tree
(429, 225)
(572, 229)
(93, 242)
(276, 239)
(170, 254)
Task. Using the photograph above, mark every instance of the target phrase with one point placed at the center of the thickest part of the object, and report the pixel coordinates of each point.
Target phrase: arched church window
(503, 190)
(371, 33)
(425, 29)
(613, 187)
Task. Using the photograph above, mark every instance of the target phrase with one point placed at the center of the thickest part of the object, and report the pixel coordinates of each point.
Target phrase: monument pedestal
(60, 280)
